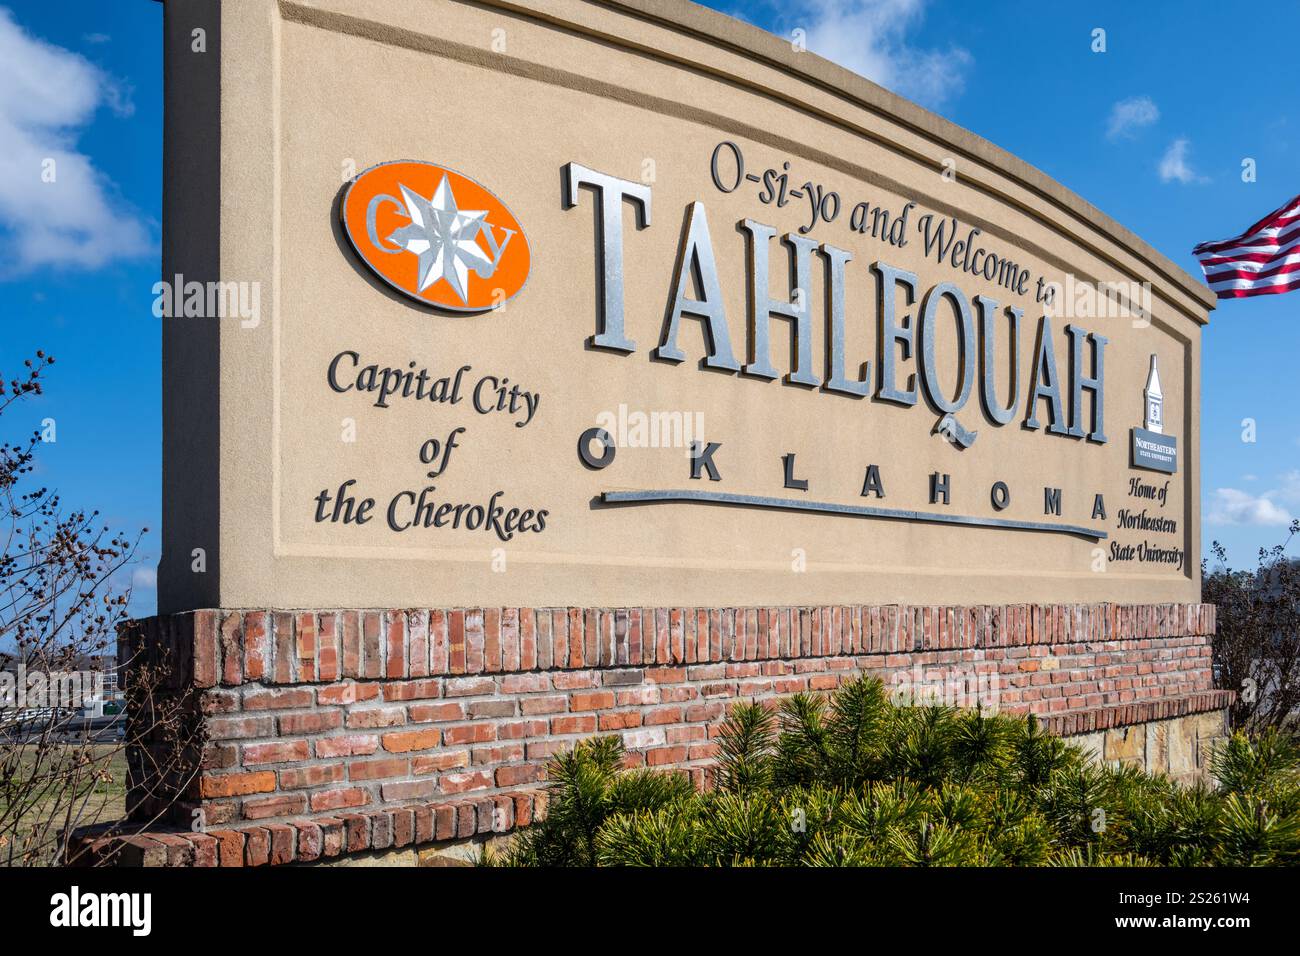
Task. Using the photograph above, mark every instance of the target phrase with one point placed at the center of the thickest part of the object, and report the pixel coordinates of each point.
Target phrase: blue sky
(1153, 131)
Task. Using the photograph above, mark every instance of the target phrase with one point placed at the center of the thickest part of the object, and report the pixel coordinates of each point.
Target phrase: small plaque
(1155, 451)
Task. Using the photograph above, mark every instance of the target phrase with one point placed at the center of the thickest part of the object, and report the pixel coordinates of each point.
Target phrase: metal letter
(988, 379)
(1045, 384)
(584, 448)
(872, 485)
(1096, 384)
(1051, 501)
(798, 484)
(740, 166)
(835, 378)
(702, 460)
(1001, 495)
(695, 262)
(611, 193)
(763, 307)
(965, 350)
(891, 333)
(938, 487)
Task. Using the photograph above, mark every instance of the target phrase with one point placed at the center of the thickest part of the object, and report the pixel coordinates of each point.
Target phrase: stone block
(1126, 744)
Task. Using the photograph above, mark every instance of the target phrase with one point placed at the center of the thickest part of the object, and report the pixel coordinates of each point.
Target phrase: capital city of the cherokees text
(490, 394)
(696, 271)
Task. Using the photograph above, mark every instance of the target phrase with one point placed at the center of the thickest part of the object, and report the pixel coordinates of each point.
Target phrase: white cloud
(47, 94)
(1130, 115)
(869, 37)
(1174, 166)
(144, 578)
(1289, 490)
(1233, 506)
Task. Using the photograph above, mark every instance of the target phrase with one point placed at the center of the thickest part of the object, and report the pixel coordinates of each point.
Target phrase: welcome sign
(682, 328)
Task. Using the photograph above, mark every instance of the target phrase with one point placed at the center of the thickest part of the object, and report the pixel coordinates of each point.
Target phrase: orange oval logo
(435, 235)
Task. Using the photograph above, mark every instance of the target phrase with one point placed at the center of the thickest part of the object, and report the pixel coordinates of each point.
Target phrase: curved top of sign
(762, 62)
(928, 129)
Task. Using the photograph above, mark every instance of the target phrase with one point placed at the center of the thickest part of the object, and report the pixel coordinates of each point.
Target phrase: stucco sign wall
(629, 303)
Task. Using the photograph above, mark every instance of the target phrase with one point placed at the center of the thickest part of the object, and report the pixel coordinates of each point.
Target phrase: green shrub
(853, 779)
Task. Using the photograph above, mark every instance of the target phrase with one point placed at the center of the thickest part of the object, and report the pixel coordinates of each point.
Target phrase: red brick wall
(312, 714)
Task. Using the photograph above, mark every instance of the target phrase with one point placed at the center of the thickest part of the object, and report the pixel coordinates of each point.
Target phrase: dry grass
(101, 799)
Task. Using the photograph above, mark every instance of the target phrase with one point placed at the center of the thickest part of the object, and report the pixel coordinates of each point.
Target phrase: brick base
(317, 720)
(316, 840)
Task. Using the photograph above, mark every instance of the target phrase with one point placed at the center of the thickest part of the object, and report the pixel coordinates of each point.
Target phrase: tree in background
(61, 605)
(1257, 642)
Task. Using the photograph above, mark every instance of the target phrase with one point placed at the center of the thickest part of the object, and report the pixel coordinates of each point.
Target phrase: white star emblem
(443, 238)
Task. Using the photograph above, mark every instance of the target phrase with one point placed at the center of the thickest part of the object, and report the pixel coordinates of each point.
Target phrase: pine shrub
(854, 779)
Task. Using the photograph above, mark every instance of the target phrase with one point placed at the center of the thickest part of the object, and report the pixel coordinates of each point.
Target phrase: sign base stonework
(334, 732)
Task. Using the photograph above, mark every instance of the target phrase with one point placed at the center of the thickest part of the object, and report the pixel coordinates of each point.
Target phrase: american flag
(1263, 260)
